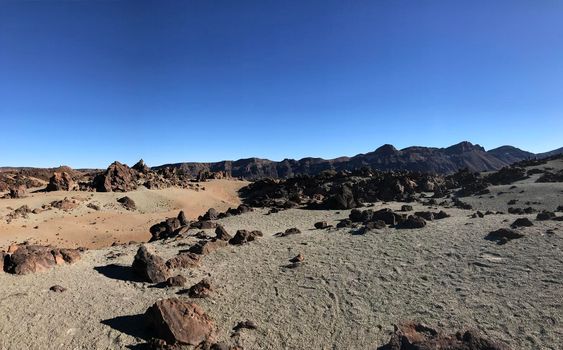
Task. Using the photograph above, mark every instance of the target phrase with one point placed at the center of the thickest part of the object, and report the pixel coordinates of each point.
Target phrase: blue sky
(84, 83)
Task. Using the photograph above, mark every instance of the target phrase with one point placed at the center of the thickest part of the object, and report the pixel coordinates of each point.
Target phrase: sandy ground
(349, 292)
(346, 295)
(86, 227)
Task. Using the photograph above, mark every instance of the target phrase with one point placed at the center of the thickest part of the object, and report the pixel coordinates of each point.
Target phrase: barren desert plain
(334, 273)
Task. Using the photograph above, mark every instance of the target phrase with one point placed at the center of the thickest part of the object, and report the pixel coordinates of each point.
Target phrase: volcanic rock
(503, 235)
(57, 289)
(321, 225)
(61, 182)
(117, 178)
(34, 258)
(245, 236)
(180, 322)
(412, 222)
(415, 336)
(183, 260)
(127, 203)
(202, 289)
(222, 234)
(525, 222)
(289, 231)
(176, 281)
(406, 207)
(149, 266)
(545, 215)
(205, 247)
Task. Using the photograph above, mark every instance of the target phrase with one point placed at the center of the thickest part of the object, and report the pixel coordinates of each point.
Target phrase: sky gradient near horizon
(84, 83)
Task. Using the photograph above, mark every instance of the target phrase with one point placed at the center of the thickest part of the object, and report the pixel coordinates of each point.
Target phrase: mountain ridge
(386, 157)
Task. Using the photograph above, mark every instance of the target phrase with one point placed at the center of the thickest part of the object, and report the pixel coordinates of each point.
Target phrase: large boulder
(117, 178)
(149, 266)
(180, 322)
(416, 336)
(61, 182)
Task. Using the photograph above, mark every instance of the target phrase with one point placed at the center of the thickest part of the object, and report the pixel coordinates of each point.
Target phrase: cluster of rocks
(121, 178)
(416, 336)
(551, 177)
(179, 225)
(25, 258)
(341, 190)
(366, 220)
(10, 181)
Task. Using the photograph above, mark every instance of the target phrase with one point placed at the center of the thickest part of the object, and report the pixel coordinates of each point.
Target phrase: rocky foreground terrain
(360, 260)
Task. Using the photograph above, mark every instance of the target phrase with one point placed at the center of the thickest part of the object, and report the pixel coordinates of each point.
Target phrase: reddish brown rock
(65, 204)
(151, 267)
(181, 322)
(117, 178)
(415, 336)
(245, 236)
(33, 258)
(61, 182)
(205, 247)
(183, 260)
(202, 289)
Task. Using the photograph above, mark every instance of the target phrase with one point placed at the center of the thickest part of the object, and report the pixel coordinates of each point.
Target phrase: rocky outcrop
(27, 259)
(61, 182)
(180, 322)
(117, 178)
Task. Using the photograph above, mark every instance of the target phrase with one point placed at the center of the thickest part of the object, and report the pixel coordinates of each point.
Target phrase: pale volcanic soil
(86, 227)
(348, 293)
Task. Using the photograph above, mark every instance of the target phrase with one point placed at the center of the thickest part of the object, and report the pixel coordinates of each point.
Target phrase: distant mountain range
(424, 159)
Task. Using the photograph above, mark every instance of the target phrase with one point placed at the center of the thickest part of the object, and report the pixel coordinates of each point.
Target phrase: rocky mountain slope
(424, 159)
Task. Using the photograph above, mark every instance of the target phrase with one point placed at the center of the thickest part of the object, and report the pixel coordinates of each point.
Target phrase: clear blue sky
(84, 83)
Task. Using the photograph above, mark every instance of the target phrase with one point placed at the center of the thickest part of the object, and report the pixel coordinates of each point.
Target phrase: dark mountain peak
(464, 146)
(386, 149)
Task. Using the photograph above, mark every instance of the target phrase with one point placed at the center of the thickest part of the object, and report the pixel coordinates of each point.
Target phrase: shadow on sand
(133, 325)
(118, 272)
